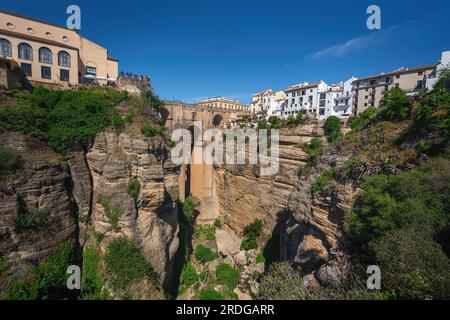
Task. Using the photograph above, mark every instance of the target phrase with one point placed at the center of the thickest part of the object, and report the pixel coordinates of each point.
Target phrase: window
(26, 69)
(64, 59)
(45, 55)
(5, 48)
(91, 71)
(25, 52)
(30, 30)
(397, 85)
(397, 76)
(64, 75)
(420, 73)
(46, 72)
(419, 84)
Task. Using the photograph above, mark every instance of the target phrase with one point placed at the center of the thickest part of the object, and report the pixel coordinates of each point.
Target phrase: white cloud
(352, 45)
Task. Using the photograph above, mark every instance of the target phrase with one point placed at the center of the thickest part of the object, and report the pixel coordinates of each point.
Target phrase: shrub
(282, 282)
(46, 281)
(189, 275)
(228, 276)
(149, 130)
(204, 254)
(332, 128)
(30, 221)
(295, 120)
(63, 117)
(389, 202)
(413, 265)
(396, 105)
(91, 282)
(322, 182)
(112, 212)
(128, 119)
(4, 265)
(117, 121)
(314, 151)
(364, 118)
(251, 233)
(260, 258)
(218, 224)
(209, 232)
(189, 206)
(134, 187)
(9, 162)
(125, 263)
(209, 294)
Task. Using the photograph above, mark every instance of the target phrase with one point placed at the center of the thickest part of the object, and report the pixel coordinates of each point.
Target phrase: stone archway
(217, 121)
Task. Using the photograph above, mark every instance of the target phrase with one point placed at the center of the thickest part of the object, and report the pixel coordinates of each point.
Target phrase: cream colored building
(224, 104)
(53, 54)
(369, 91)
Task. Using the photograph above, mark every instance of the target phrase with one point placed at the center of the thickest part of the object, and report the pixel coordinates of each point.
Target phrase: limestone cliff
(151, 218)
(41, 185)
(244, 195)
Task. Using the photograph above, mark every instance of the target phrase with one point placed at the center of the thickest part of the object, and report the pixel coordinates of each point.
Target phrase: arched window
(25, 52)
(45, 55)
(64, 59)
(5, 48)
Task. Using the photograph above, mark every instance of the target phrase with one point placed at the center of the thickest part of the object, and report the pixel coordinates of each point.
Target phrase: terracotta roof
(302, 87)
(400, 71)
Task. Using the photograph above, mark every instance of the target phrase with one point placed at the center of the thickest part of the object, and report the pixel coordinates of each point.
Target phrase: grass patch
(134, 188)
(322, 182)
(228, 276)
(251, 234)
(204, 254)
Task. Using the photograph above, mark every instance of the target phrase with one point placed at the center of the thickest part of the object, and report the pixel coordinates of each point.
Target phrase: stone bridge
(182, 115)
(198, 180)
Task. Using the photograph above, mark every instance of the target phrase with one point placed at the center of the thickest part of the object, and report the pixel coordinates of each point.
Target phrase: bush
(396, 105)
(189, 206)
(218, 224)
(364, 118)
(189, 276)
(112, 212)
(30, 221)
(314, 151)
(389, 202)
(134, 188)
(150, 131)
(209, 294)
(126, 264)
(47, 281)
(64, 117)
(295, 120)
(322, 182)
(204, 254)
(228, 276)
(9, 162)
(413, 265)
(251, 233)
(4, 265)
(332, 128)
(282, 282)
(91, 282)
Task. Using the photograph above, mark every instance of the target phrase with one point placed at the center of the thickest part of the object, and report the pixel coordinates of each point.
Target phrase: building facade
(443, 64)
(53, 54)
(339, 100)
(224, 104)
(308, 98)
(369, 91)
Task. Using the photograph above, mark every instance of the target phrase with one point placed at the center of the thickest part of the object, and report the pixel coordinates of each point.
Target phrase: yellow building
(224, 104)
(369, 91)
(53, 54)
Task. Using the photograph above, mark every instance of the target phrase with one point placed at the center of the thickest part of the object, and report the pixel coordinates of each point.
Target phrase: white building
(339, 100)
(305, 97)
(444, 63)
(261, 101)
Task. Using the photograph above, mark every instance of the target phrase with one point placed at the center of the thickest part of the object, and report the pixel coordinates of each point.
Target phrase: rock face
(311, 233)
(151, 218)
(41, 185)
(243, 195)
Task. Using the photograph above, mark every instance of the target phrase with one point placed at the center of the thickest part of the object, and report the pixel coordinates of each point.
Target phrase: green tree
(332, 128)
(209, 293)
(204, 254)
(396, 104)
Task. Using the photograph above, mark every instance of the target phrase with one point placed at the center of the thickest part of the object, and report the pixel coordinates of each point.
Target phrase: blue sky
(207, 48)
